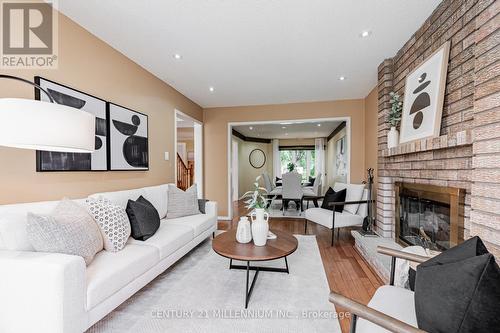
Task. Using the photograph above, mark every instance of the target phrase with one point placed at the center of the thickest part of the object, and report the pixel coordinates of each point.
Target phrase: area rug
(201, 294)
(274, 209)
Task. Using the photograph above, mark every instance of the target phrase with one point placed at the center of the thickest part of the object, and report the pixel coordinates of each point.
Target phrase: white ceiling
(296, 130)
(258, 51)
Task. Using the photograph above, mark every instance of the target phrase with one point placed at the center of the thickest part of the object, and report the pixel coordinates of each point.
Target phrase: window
(302, 157)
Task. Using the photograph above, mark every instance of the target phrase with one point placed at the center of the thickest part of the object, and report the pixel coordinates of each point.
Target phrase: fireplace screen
(428, 216)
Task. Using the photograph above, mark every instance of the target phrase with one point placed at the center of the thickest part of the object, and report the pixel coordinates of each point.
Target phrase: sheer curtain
(319, 148)
(276, 159)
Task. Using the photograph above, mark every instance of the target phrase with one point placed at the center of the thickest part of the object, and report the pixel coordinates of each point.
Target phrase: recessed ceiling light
(319, 125)
(365, 33)
(283, 127)
(177, 56)
(251, 128)
(342, 78)
(212, 89)
(288, 123)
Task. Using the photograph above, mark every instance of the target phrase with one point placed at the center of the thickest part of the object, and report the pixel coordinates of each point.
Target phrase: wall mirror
(257, 158)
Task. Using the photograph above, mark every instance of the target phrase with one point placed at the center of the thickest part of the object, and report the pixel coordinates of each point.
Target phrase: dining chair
(273, 192)
(313, 192)
(291, 190)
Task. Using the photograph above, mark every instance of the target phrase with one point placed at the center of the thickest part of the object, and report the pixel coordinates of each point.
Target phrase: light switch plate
(167, 156)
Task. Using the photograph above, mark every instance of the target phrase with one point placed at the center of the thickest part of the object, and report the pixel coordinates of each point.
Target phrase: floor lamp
(32, 124)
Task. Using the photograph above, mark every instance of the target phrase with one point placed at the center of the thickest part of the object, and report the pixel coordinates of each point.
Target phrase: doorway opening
(188, 152)
(312, 148)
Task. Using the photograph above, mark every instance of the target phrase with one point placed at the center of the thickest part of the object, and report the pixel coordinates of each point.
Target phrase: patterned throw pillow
(113, 222)
(182, 203)
(69, 229)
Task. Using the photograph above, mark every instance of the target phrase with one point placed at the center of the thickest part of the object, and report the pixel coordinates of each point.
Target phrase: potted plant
(290, 166)
(393, 119)
(258, 203)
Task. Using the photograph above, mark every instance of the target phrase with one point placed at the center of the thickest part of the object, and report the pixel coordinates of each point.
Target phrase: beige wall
(371, 131)
(88, 64)
(246, 172)
(216, 136)
(186, 135)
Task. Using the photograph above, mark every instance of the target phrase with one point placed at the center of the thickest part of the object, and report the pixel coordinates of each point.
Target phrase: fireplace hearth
(428, 215)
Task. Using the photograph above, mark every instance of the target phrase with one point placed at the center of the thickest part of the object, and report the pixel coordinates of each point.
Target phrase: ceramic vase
(260, 226)
(244, 231)
(392, 137)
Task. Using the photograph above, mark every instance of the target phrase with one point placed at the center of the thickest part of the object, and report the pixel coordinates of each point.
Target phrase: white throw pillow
(354, 193)
(182, 203)
(113, 222)
(69, 229)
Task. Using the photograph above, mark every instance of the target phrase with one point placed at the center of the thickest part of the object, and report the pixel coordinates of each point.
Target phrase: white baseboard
(224, 218)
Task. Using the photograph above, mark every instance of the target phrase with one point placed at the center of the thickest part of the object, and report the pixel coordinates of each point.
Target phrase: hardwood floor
(347, 272)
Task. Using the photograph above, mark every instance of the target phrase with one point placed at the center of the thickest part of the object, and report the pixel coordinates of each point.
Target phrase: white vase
(244, 230)
(260, 226)
(392, 137)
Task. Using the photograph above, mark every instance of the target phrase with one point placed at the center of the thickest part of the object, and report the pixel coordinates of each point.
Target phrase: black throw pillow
(201, 205)
(332, 196)
(458, 291)
(144, 218)
(278, 181)
(311, 181)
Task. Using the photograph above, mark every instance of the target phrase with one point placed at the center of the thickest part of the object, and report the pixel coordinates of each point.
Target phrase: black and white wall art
(341, 159)
(128, 139)
(424, 97)
(57, 161)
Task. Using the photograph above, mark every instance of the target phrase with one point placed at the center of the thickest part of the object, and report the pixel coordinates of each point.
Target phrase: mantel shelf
(461, 138)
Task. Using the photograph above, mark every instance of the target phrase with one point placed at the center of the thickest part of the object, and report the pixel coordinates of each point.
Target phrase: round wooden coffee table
(226, 245)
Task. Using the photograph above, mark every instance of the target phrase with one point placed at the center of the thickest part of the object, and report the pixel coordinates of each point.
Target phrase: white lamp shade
(32, 124)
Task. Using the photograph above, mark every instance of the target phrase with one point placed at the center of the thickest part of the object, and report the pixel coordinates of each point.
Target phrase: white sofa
(56, 293)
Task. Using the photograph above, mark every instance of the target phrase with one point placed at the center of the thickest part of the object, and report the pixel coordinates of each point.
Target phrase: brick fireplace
(466, 155)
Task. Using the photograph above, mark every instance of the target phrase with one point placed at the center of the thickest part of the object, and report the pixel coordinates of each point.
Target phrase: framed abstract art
(58, 161)
(424, 97)
(128, 139)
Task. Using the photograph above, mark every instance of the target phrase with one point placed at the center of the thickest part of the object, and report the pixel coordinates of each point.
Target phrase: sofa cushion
(198, 223)
(69, 229)
(324, 217)
(354, 193)
(120, 198)
(13, 219)
(158, 196)
(169, 238)
(470, 269)
(111, 271)
(393, 301)
(143, 217)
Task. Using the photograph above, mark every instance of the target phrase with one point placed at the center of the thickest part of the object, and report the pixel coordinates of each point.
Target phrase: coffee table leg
(248, 292)
(286, 263)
